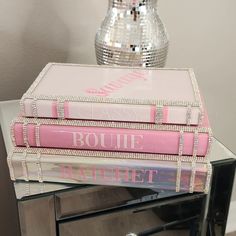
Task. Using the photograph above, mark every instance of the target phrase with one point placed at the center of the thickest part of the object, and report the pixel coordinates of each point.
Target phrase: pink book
(111, 136)
(70, 91)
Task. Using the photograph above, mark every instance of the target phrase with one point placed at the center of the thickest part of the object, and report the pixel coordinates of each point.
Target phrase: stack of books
(115, 126)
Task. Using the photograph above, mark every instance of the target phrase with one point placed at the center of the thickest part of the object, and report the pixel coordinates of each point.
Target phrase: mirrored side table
(64, 209)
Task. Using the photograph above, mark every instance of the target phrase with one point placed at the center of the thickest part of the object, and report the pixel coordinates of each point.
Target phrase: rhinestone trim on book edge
(107, 154)
(110, 124)
(197, 95)
(128, 101)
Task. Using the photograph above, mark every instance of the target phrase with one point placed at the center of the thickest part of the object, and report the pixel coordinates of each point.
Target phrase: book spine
(111, 139)
(74, 170)
(185, 115)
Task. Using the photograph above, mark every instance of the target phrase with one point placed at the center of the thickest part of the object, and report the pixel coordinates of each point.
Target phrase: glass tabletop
(9, 109)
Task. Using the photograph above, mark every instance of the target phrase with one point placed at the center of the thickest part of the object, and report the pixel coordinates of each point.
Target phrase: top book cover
(72, 91)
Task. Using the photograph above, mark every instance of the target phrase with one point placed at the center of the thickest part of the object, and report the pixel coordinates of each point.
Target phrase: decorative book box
(112, 136)
(111, 168)
(113, 126)
(69, 91)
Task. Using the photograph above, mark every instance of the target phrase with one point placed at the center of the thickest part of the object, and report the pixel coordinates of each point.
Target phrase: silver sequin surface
(132, 34)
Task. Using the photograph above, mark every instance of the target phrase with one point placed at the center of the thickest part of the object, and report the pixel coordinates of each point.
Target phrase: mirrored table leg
(37, 216)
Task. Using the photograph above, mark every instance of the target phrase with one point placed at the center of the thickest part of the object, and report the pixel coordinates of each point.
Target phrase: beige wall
(202, 33)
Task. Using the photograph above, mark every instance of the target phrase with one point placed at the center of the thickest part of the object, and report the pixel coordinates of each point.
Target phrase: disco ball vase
(132, 34)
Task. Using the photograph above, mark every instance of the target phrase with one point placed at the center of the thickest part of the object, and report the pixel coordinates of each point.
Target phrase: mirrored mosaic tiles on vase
(132, 34)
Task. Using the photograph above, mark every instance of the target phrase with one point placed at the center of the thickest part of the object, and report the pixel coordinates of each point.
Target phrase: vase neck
(127, 4)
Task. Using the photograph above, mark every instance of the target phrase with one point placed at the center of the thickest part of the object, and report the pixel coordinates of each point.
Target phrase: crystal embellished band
(12, 132)
(22, 105)
(192, 178)
(159, 114)
(102, 154)
(40, 174)
(10, 166)
(114, 100)
(178, 175)
(200, 116)
(195, 143)
(60, 109)
(188, 115)
(109, 124)
(208, 180)
(37, 135)
(34, 107)
(24, 167)
(210, 141)
(25, 134)
(181, 142)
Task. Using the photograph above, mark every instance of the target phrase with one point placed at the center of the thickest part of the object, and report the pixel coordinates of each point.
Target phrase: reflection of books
(93, 198)
(112, 136)
(108, 168)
